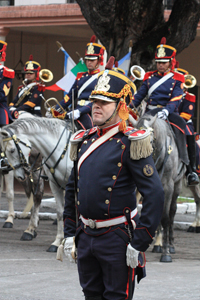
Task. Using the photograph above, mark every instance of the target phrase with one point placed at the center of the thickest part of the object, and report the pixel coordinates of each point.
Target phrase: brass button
(110, 189)
(123, 146)
(78, 177)
(127, 211)
(105, 214)
(110, 139)
(78, 202)
(114, 177)
(118, 141)
(77, 190)
(119, 164)
(93, 140)
(107, 202)
(85, 142)
(79, 150)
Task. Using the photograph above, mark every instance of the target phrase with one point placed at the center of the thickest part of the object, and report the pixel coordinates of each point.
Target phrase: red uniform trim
(178, 76)
(190, 97)
(146, 76)
(79, 75)
(8, 73)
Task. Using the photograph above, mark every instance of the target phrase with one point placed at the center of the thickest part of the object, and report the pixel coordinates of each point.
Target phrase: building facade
(34, 26)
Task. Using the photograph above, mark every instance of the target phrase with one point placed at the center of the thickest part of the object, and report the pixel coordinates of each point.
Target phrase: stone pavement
(28, 272)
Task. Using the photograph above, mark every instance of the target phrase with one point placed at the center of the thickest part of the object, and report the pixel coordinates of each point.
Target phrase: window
(168, 4)
(6, 2)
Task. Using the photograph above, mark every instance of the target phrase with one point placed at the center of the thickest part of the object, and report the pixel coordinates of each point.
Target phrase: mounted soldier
(30, 93)
(186, 111)
(83, 86)
(6, 77)
(164, 90)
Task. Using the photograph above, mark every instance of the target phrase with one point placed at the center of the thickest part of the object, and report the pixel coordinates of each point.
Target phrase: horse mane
(38, 124)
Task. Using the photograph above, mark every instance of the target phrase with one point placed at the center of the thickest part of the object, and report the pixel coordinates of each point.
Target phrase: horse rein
(52, 169)
(23, 162)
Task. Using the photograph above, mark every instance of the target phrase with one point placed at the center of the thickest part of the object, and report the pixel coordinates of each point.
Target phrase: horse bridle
(23, 162)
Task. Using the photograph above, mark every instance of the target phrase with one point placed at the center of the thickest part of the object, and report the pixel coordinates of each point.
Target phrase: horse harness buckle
(170, 149)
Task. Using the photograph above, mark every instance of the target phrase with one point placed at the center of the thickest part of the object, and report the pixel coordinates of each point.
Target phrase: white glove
(163, 114)
(48, 114)
(68, 248)
(76, 114)
(12, 108)
(132, 257)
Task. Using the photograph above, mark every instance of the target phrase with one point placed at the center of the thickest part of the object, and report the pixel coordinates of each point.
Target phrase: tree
(117, 22)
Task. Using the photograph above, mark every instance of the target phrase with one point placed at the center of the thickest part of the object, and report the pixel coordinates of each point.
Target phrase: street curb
(185, 208)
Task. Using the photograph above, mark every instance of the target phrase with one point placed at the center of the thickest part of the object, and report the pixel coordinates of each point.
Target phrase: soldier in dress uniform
(83, 85)
(164, 91)
(30, 93)
(110, 161)
(186, 111)
(6, 77)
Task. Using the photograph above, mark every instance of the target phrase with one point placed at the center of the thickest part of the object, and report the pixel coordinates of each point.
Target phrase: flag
(124, 62)
(68, 63)
(67, 81)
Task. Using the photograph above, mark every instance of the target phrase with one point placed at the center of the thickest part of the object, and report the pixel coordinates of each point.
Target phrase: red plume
(31, 57)
(93, 39)
(116, 64)
(110, 63)
(163, 41)
(177, 65)
(101, 56)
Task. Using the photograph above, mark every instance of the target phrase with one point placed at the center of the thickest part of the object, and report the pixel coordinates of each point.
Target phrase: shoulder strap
(96, 144)
(83, 87)
(158, 83)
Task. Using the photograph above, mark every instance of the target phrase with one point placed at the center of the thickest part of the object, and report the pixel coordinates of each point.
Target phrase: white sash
(83, 87)
(97, 143)
(158, 83)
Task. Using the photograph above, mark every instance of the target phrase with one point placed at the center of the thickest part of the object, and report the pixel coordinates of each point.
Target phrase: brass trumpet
(45, 75)
(190, 81)
(47, 105)
(137, 72)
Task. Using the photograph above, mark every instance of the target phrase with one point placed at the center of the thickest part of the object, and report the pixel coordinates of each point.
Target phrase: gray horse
(171, 171)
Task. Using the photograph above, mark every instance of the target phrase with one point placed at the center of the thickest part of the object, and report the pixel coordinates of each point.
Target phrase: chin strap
(111, 117)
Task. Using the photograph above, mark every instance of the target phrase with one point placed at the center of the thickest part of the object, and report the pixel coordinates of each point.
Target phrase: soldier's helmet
(165, 53)
(114, 86)
(3, 46)
(32, 67)
(94, 50)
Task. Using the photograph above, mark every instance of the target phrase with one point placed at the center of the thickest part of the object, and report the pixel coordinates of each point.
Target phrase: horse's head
(17, 150)
(146, 121)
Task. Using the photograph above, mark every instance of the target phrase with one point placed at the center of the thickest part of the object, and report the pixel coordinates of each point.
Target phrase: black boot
(192, 177)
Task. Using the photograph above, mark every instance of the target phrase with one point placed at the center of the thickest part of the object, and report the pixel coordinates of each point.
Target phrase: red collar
(102, 131)
(93, 71)
(163, 74)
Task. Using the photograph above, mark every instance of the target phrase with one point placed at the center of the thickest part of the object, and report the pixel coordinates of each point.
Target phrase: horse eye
(12, 150)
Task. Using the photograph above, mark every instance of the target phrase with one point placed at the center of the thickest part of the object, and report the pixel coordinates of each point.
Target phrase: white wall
(38, 2)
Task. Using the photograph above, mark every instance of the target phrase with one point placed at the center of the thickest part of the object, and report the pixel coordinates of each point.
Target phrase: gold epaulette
(76, 138)
(141, 142)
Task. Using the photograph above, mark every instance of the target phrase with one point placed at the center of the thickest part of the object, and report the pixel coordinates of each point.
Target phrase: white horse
(51, 138)
(33, 189)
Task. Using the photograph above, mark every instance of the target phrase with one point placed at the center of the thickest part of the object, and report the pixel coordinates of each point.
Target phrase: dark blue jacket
(107, 180)
(168, 94)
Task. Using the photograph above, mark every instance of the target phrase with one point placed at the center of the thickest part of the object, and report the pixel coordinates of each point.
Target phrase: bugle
(190, 81)
(137, 73)
(45, 75)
